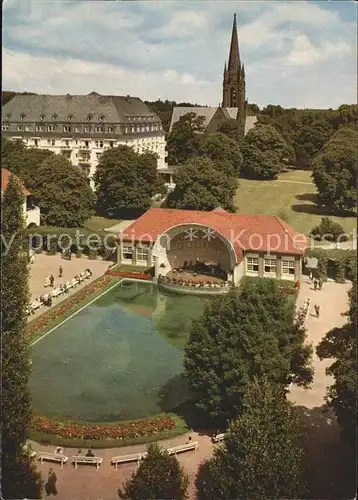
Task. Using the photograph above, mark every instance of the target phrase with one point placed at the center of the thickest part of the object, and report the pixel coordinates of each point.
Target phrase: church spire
(234, 57)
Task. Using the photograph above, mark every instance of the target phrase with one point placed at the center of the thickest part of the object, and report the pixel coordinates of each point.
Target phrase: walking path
(88, 484)
(293, 182)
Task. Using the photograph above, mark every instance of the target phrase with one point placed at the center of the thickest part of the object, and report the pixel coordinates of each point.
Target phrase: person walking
(315, 283)
(52, 280)
(320, 284)
(310, 276)
(60, 272)
(317, 308)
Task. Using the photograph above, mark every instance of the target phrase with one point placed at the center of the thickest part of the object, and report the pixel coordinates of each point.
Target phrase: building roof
(58, 108)
(208, 113)
(5, 179)
(245, 231)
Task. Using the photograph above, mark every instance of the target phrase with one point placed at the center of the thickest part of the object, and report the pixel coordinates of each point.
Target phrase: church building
(234, 103)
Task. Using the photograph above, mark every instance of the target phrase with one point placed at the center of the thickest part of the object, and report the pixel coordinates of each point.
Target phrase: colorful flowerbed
(132, 274)
(63, 307)
(135, 429)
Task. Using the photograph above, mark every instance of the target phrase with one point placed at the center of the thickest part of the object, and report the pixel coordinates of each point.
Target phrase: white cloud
(176, 50)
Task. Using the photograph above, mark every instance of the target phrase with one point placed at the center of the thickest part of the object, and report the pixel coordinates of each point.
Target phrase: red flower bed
(133, 274)
(59, 310)
(135, 429)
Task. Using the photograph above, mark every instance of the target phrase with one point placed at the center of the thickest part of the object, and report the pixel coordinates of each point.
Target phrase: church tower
(234, 85)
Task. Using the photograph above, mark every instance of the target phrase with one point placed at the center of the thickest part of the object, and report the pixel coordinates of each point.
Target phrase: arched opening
(32, 225)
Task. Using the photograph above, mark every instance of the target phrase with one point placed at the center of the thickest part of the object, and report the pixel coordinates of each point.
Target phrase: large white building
(82, 127)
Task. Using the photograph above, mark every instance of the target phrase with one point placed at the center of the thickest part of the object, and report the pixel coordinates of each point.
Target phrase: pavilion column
(278, 267)
(119, 252)
(298, 268)
(134, 256)
(149, 259)
(261, 265)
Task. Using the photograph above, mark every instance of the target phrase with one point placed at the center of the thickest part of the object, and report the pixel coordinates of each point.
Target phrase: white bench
(79, 459)
(183, 447)
(219, 438)
(122, 459)
(53, 457)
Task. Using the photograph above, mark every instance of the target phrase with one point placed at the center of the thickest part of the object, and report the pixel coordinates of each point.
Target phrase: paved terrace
(88, 484)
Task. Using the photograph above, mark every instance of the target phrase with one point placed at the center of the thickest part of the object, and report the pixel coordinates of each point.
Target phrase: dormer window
(8, 116)
(54, 116)
(99, 128)
(101, 118)
(89, 117)
(42, 117)
(22, 116)
(69, 118)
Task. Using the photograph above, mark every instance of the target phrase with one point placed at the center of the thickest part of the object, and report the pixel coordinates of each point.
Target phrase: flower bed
(63, 307)
(132, 274)
(146, 427)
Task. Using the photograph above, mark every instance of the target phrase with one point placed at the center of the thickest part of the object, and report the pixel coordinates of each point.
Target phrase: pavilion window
(127, 252)
(288, 267)
(252, 264)
(142, 254)
(270, 266)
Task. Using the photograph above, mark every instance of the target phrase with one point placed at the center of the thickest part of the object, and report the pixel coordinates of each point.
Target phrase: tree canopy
(201, 185)
(219, 147)
(265, 153)
(126, 180)
(59, 188)
(159, 476)
(335, 171)
(340, 345)
(246, 333)
(19, 476)
(182, 141)
(261, 456)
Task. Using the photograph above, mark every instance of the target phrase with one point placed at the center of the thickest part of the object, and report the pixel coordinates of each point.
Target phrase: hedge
(337, 264)
(82, 241)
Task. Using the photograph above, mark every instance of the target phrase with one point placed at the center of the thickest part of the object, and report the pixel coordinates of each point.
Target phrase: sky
(296, 54)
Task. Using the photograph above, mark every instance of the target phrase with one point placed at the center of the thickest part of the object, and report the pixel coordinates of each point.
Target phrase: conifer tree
(19, 476)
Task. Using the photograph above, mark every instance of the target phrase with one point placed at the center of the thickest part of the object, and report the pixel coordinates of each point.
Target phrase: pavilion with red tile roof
(241, 244)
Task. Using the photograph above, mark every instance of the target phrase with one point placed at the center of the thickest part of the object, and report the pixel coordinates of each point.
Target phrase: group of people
(317, 282)
(192, 283)
(306, 307)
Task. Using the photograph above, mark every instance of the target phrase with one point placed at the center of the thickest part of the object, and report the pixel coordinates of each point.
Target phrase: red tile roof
(246, 232)
(5, 179)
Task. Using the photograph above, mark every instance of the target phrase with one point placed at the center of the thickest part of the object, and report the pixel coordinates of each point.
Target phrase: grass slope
(292, 197)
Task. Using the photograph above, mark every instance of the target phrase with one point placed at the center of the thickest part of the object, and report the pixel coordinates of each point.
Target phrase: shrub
(78, 255)
(328, 230)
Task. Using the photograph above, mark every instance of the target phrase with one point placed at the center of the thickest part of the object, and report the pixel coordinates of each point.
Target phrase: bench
(219, 438)
(183, 447)
(79, 459)
(53, 457)
(122, 459)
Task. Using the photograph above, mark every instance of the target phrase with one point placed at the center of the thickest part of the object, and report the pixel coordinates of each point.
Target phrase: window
(270, 266)
(39, 128)
(110, 130)
(36, 142)
(288, 267)
(101, 118)
(19, 128)
(99, 128)
(54, 116)
(99, 144)
(27, 128)
(22, 116)
(52, 142)
(89, 117)
(86, 144)
(67, 143)
(5, 127)
(252, 264)
(67, 128)
(142, 254)
(127, 252)
(86, 129)
(69, 118)
(77, 129)
(98, 156)
(51, 128)
(42, 117)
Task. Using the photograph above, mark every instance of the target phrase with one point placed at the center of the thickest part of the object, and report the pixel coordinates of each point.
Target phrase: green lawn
(97, 223)
(292, 201)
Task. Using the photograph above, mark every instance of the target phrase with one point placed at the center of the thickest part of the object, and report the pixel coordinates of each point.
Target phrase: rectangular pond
(119, 358)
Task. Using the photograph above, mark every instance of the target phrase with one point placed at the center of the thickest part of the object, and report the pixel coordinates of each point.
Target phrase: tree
(340, 344)
(261, 456)
(246, 333)
(313, 137)
(230, 128)
(159, 476)
(200, 185)
(182, 142)
(335, 171)
(265, 152)
(329, 230)
(19, 476)
(219, 147)
(63, 194)
(59, 188)
(126, 180)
